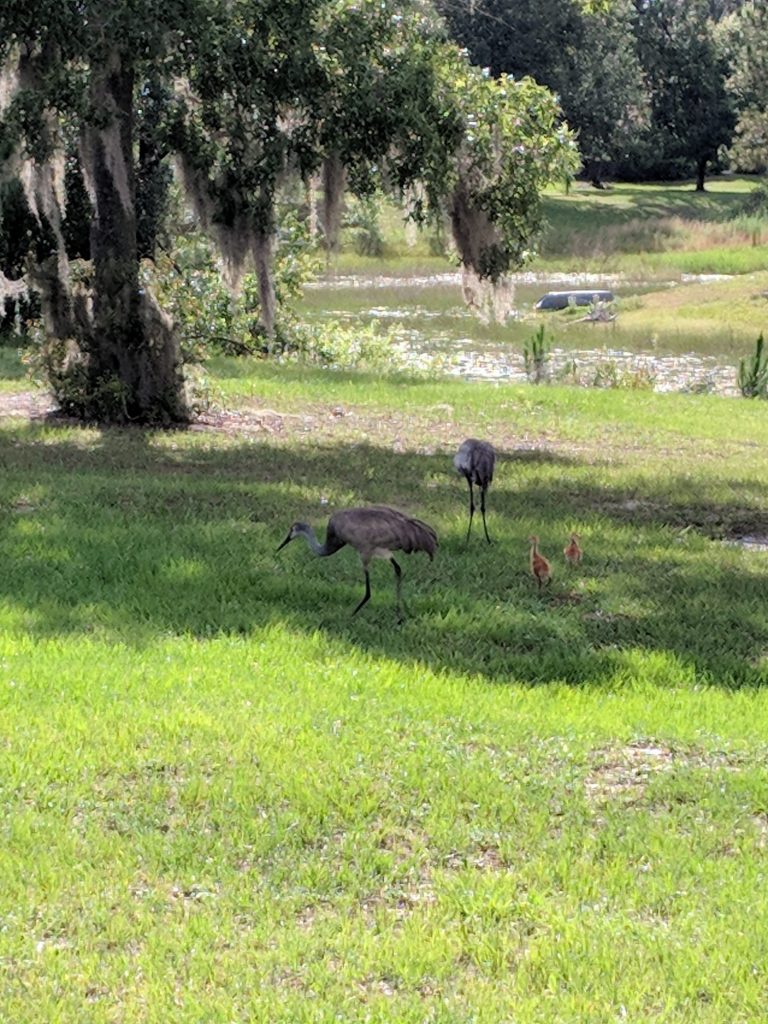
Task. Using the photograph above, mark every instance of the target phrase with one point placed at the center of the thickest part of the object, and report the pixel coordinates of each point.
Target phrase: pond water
(430, 322)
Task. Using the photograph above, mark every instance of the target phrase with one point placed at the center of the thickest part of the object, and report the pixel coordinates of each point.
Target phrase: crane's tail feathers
(420, 536)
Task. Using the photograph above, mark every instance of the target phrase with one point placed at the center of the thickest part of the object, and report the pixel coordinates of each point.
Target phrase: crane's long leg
(398, 586)
(367, 595)
(482, 509)
(471, 509)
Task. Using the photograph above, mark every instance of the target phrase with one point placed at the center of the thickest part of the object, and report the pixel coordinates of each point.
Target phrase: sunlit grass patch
(737, 305)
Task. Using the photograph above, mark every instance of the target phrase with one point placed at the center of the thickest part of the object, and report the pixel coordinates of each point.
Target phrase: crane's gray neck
(308, 534)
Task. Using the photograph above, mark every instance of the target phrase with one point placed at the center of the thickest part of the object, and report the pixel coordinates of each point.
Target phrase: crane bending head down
(374, 531)
(475, 460)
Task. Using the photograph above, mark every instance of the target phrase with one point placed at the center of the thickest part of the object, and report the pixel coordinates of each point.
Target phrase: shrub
(345, 346)
(755, 203)
(188, 285)
(753, 372)
(610, 374)
(536, 355)
(364, 215)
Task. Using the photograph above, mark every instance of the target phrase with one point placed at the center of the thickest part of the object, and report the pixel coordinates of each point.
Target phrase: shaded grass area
(657, 221)
(623, 201)
(223, 798)
(13, 372)
(134, 539)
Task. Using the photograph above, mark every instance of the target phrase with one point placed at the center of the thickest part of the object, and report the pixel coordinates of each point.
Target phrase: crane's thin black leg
(482, 509)
(398, 585)
(367, 595)
(471, 510)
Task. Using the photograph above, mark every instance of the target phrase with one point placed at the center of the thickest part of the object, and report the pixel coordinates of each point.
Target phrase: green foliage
(188, 283)
(753, 372)
(691, 113)
(585, 54)
(214, 322)
(609, 374)
(364, 217)
(744, 37)
(536, 355)
(342, 346)
(755, 203)
(515, 145)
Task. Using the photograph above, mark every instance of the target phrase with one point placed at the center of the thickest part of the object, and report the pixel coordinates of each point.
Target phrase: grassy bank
(656, 227)
(642, 229)
(222, 798)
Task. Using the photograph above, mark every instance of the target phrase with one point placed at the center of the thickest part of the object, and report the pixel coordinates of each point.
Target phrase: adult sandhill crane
(475, 461)
(540, 567)
(572, 551)
(374, 531)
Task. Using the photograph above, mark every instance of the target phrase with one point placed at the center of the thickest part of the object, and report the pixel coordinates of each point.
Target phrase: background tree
(603, 96)
(519, 37)
(587, 56)
(685, 69)
(745, 35)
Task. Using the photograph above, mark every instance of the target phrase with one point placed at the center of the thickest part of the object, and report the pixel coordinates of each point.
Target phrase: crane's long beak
(288, 538)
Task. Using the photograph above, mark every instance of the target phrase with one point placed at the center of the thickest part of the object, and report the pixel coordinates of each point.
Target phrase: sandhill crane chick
(374, 531)
(475, 461)
(572, 551)
(540, 567)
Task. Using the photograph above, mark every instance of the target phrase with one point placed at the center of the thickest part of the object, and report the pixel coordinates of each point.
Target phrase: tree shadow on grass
(646, 203)
(132, 535)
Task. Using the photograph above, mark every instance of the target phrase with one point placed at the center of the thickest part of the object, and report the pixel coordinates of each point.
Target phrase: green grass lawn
(222, 798)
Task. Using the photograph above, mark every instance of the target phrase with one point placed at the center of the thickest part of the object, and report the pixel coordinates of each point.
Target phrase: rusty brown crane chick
(374, 531)
(540, 567)
(475, 461)
(572, 551)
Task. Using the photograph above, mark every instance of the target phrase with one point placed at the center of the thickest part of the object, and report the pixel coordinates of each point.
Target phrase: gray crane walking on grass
(374, 531)
(475, 461)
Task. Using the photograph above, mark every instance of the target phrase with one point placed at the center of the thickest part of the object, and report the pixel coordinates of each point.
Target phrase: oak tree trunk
(133, 365)
(263, 261)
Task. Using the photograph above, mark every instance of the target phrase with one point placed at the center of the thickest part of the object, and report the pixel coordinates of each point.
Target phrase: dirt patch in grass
(624, 772)
(435, 430)
(31, 405)
(321, 421)
(254, 421)
(732, 523)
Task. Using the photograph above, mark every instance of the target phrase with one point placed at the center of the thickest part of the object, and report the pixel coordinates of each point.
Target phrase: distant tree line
(655, 89)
